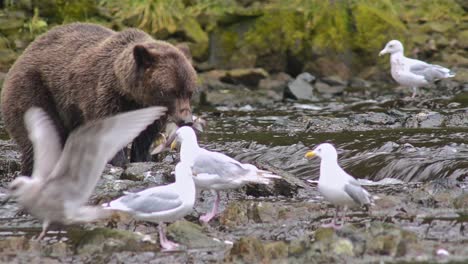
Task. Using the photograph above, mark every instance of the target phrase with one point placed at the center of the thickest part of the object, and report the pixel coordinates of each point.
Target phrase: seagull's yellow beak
(310, 154)
(174, 144)
(384, 51)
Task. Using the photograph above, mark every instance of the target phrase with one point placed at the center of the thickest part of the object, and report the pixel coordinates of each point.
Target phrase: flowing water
(414, 142)
(368, 148)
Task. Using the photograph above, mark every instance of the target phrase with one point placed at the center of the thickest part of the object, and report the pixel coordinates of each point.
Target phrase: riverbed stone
(105, 240)
(461, 202)
(235, 214)
(248, 77)
(276, 82)
(137, 171)
(247, 250)
(191, 235)
(387, 239)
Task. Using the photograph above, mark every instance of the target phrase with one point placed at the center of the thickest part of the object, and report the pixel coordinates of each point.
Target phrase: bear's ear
(143, 57)
(185, 49)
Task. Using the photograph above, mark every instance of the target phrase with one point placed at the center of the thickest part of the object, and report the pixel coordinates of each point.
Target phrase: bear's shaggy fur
(80, 72)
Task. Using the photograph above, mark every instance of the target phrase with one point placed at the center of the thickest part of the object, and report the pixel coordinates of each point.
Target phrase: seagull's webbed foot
(333, 225)
(334, 222)
(169, 245)
(166, 244)
(207, 217)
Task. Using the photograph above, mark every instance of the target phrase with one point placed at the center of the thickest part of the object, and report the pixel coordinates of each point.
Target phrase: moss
(429, 10)
(191, 235)
(276, 32)
(63, 11)
(331, 26)
(101, 240)
(197, 37)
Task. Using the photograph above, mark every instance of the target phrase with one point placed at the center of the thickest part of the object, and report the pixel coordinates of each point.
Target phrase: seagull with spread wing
(337, 186)
(410, 72)
(63, 180)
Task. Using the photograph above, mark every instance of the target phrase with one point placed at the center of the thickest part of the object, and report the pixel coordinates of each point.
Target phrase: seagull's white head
(184, 133)
(393, 46)
(20, 185)
(324, 151)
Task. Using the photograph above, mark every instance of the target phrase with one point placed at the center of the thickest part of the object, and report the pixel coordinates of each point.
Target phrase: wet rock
(375, 118)
(326, 66)
(267, 212)
(326, 240)
(299, 246)
(191, 235)
(276, 251)
(235, 214)
(425, 120)
(276, 82)
(12, 245)
(248, 77)
(356, 82)
(334, 80)
(10, 162)
(110, 185)
(138, 171)
(343, 247)
(327, 89)
(461, 202)
(247, 250)
(301, 88)
(386, 239)
(104, 240)
(252, 250)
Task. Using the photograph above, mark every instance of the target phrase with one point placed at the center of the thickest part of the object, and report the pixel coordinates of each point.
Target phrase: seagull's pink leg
(207, 217)
(45, 226)
(166, 244)
(333, 224)
(415, 92)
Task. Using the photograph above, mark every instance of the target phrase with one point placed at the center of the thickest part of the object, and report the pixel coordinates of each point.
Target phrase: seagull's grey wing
(430, 72)
(357, 193)
(45, 139)
(91, 146)
(152, 203)
(219, 164)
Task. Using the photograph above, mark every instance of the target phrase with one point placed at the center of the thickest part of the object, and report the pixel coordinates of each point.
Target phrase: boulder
(248, 77)
(191, 235)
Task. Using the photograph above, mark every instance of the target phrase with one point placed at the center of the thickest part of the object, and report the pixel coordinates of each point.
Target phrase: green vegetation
(235, 33)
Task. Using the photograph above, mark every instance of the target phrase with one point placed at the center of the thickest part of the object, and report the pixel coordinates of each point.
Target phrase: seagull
(337, 186)
(410, 72)
(63, 180)
(216, 171)
(162, 203)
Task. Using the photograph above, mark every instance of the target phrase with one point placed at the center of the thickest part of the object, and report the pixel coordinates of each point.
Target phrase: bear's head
(158, 73)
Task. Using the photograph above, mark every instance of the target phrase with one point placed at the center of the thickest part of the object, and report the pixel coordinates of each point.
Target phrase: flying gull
(63, 180)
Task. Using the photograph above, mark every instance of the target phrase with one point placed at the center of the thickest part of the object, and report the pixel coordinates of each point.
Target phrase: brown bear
(80, 72)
